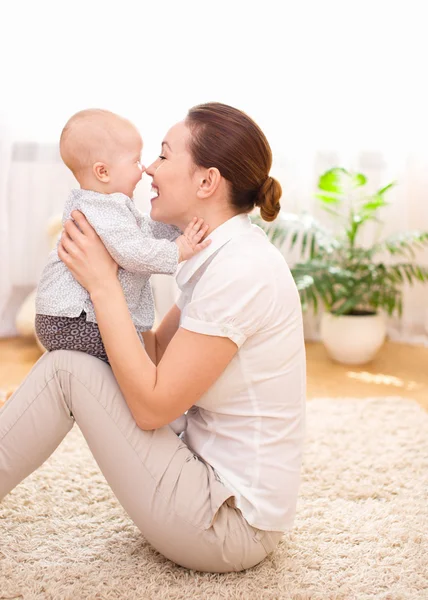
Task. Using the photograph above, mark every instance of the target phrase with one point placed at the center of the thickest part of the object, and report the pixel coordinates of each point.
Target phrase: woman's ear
(209, 180)
(100, 171)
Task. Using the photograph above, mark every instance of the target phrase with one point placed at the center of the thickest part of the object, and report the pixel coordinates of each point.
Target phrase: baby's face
(125, 169)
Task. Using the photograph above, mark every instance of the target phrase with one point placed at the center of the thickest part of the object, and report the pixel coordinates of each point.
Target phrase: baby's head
(103, 150)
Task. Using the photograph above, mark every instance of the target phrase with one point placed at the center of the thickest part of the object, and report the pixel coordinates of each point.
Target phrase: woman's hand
(83, 252)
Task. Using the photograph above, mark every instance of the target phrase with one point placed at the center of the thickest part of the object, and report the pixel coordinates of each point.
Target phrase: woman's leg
(33, 422)
(174, 498)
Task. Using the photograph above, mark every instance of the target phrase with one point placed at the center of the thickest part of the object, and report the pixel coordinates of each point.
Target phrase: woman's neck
(213, 218)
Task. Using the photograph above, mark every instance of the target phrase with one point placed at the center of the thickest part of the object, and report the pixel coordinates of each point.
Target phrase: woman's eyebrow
(166, 144)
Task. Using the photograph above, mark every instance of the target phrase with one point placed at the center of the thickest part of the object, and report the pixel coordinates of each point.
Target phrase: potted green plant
(354, 284)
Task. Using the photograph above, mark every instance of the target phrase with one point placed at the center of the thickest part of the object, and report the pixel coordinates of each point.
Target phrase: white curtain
(331, 83)
(5, 277)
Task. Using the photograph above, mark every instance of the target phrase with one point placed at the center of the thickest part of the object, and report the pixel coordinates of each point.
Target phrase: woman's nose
(150, 170)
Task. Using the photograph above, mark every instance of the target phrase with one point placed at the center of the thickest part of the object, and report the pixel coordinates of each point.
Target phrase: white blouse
(249, 426)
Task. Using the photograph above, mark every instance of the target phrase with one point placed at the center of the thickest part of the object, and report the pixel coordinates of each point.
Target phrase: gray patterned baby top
(139, 245)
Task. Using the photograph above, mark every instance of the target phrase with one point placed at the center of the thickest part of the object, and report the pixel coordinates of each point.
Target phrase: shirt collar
(219, 237)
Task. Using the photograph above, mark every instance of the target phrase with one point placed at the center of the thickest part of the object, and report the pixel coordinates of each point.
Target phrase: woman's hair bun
(268, 198)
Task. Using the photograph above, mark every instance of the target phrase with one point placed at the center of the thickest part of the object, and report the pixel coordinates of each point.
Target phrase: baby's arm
(116, 225)
(188, 242)
(163, 231)
(132, 249)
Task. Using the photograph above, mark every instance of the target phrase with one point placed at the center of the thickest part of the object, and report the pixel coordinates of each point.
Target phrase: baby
(103, 150)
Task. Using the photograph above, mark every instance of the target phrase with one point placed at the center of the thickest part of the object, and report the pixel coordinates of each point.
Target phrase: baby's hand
(190, 243)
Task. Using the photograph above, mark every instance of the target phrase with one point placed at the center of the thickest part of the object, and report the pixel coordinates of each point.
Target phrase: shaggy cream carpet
(360, 532)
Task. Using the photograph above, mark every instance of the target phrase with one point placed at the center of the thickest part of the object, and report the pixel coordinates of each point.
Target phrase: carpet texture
(360, 530)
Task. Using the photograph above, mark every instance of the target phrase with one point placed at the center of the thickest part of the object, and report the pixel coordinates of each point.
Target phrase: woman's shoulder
(252, 251)
(247, 279)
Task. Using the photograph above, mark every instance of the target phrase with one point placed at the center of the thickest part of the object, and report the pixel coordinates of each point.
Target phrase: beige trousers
(174, 498)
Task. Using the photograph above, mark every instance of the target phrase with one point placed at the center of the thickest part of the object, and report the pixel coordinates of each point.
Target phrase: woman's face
(175, 179)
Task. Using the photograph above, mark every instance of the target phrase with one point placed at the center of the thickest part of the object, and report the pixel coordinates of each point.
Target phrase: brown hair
(228, 139)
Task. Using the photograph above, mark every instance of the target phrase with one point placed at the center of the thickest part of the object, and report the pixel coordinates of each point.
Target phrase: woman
(231, 352)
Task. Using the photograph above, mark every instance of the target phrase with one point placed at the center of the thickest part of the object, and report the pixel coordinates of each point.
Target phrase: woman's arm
(156, 395)
(157, 340)
(191, 362)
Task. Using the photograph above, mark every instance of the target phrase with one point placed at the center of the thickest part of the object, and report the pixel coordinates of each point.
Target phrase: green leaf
(374, 203)
(289, 227)
(346, 307)
(421, 273)
(313, 247)
(294, 239)
(403, 244)
(400, 305)
(329, 198)
(330, 210)
(385, 189)
(411, 271)
(394, 273)
(337, 182)
(359, 180)
(408, 272)
(334, 180)
(304, 242)
(313, 299)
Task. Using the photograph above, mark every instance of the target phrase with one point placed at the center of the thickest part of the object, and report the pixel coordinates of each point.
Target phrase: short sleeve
(232, 299)
(181, 300)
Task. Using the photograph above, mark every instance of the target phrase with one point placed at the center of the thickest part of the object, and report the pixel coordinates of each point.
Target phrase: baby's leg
(70, 333)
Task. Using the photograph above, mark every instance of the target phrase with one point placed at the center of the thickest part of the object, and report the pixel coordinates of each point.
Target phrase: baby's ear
(101, 172)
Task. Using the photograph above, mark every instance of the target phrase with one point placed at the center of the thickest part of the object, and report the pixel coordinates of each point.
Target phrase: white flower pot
(352, 340)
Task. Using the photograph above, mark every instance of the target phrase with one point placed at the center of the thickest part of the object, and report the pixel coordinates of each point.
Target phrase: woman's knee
(70, 368)
(84, 367)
